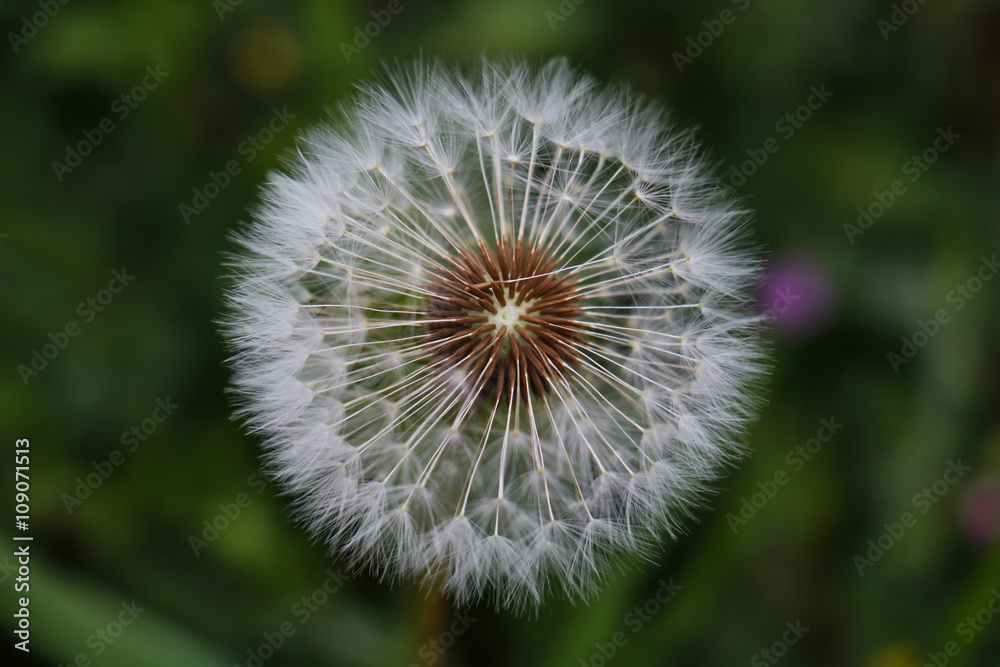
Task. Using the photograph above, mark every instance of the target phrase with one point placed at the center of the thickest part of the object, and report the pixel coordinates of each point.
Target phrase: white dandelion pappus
(494, 329)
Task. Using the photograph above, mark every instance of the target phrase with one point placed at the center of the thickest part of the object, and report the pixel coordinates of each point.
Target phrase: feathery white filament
(440, 416)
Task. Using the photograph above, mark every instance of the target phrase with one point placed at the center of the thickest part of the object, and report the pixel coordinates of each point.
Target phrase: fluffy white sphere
(493, 329)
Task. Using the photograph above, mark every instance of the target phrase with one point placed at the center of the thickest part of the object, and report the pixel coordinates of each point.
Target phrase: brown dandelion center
(503, 320)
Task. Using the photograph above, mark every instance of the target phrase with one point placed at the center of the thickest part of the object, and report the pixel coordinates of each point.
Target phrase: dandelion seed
(494, 329)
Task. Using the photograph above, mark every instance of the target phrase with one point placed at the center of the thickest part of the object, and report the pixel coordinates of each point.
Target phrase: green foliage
(196, 139)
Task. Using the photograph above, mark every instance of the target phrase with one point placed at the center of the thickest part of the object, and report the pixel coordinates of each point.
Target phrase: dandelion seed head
(494, 329)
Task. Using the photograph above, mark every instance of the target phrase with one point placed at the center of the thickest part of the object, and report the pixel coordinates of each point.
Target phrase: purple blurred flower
(796, 296)
(981, 511)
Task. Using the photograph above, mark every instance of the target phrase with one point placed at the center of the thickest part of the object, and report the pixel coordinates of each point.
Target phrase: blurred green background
(812, 538)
